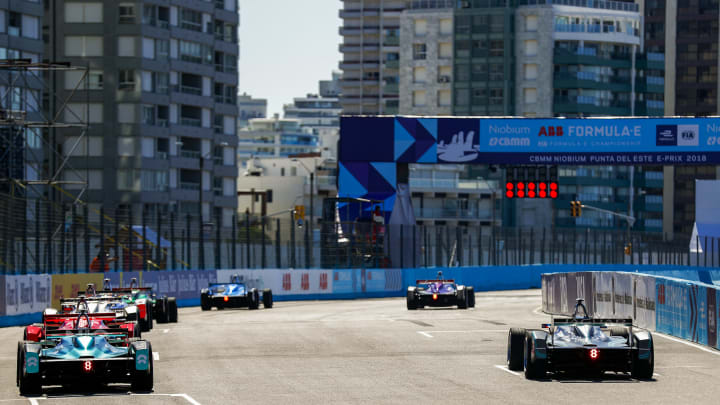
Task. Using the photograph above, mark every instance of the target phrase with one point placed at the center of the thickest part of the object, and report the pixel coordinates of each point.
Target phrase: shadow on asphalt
(593, 379)
(93, 390)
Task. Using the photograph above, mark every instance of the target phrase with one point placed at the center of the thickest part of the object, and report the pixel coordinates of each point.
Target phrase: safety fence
(46, 238)
(677, 307)
(24, 297)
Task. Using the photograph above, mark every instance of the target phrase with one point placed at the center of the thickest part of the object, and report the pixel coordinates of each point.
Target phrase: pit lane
(369, 351)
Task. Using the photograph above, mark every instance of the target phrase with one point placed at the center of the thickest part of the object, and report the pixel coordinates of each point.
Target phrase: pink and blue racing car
(440, 293)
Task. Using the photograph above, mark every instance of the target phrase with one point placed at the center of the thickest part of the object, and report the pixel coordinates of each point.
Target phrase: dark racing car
(582, 346)
(439, 293)
(87, 351)
(234, 294)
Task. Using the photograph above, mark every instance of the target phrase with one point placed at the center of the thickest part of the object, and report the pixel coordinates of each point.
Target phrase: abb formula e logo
(550, 131)
(323, 281)
(286, 282)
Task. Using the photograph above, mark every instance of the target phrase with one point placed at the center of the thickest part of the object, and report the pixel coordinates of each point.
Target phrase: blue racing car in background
(234, 294)
(440, 293)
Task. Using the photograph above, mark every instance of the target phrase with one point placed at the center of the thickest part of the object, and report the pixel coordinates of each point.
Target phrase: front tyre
(254, 298)
(205, 303)
(470, 291)
(172, 315)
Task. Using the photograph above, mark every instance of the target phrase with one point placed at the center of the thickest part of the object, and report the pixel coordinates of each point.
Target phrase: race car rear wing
(434, 281)
(214, 284)
(617, 321)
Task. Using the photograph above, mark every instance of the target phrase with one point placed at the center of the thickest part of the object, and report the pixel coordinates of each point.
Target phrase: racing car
(439, 293)
(234, 294)
(98, 311)
(84, 351)
(163, 309)
(582, 345)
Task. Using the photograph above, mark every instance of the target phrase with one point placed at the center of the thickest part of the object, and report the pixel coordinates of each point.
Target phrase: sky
(286, 47)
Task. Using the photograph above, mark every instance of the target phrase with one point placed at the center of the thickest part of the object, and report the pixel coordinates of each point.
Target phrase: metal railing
(61, 237)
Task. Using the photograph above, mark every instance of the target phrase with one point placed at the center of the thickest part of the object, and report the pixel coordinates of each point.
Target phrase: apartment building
(274, 137)
(162, 101)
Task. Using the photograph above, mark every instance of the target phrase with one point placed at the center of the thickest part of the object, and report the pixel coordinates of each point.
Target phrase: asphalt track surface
(371, 351)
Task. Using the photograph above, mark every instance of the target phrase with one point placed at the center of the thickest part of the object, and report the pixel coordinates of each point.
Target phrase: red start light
(542, 194)
(594, 353)
(87, 366)
(521, 186)
(509, 186)
(509, 194)
(553, 194)
(531, 194)
(553, 186)
(531, 186)
(226, 299)
(521, 194)
(435, 296)
(542, 186)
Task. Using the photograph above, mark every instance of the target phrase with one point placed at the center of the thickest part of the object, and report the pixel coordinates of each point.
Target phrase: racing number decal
(87, 366)
(594, 354)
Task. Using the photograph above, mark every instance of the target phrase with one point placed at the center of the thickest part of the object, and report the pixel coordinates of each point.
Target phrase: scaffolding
(34, 164)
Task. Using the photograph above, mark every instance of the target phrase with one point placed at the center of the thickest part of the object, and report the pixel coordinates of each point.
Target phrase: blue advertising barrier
(319, 284)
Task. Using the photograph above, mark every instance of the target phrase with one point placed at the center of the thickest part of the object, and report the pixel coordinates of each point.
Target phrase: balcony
(187, 185)
(392, 40)
(392, 64)
(192, 154)
(590, 56)
(453, 184)
(590, 105)
(325, 182)
(391, 88)
(602, 4)
(196, 91)
(591, 80)
(191, 122)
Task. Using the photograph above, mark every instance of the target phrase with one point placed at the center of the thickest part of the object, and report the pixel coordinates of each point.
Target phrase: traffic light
(531, 182)
(575, 208)
(299, 212)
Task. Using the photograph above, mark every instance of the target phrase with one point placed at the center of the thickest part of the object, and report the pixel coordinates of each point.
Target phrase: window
(126, 79)
(191, 20)
(420, 27)
(93, 181)
(154, 180)
(229, 34)
(444, 98)
(531, 71)
(75, 112)
(128, 180)
(162, 49)
(445, 50)
(446, 26)
(445, 74)
(83, 46)
(126, 113)
(419, 75)
(218, 123)
(530, 95)
(126, 13)
(73, 78)
(479, 96)
(194, 52)
(30, 27)
(531, 23)
(419, 51)
(14, 24)
(95, 144)
(531, 47)
(126, 46)
(419, 98)
(161, 82)
(148, 114)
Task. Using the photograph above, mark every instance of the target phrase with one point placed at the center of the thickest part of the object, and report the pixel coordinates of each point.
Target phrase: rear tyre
(142, 380)
(463, 300)
(470, 291)
(643, 369)
(29, 383)
(516, 345)
(254, 299)
(411, 302)
(205, 304)
(172, 310)
(267, 298)
(19, 364)
(534, 367)
(161, 314)
(144, 327)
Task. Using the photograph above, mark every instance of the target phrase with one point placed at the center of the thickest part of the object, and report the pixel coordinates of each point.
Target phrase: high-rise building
(249, 107)
(319, 114)
(274, 137)
(21, 151)
(371, 56)
(162, 93)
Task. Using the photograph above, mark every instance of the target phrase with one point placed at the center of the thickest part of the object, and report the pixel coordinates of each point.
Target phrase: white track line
(685, 342)
(187, 398)
(33, 401)
(504, 368)
(166, 330)
(428, 333)
(538, 311)
(156, 356)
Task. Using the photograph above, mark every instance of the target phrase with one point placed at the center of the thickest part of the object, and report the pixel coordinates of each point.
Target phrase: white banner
(603, 294)
(27, 294)
(283, 282)
(644, 301)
